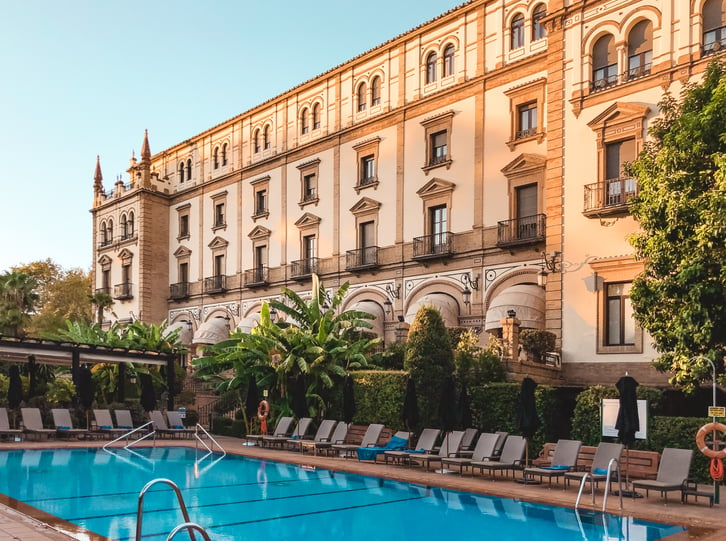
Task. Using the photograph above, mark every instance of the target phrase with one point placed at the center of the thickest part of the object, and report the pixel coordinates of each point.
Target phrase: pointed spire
(145, 149)
(98, 176)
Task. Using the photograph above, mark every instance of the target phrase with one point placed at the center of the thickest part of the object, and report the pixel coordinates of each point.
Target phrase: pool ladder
(186, 525)
(612, 467)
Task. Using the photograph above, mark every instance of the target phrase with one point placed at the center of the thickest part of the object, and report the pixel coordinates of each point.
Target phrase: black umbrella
(464, 408)
(299, 401)
(627, 423)
(528, 419)
(447, 406)
(15, 390)
(410, 414)
(84, 389)
(348, 400)
(252, 398)
(148, 397)
(31, 376)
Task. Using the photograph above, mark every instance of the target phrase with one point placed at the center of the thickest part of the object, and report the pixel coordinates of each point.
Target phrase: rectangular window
(309, 247)
(439, 151)
(438, 228)
(219, 215)
(106, 280)
(367, 169)
(219, 265)
(260, 256)
(183, 272)
(184, 225)
(526, 211)
(126, 274)
(526, 120)
(620, 330)
(309, 187)
(260, 202)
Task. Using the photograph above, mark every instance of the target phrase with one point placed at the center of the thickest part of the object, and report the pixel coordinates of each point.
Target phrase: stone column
(510, 335)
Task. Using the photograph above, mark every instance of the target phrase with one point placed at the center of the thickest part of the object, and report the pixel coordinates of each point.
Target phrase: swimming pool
(240, 498)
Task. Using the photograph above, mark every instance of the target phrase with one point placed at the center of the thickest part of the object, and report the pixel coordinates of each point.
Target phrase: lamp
(511, 313)
(273, 314)
(394, 291)
(550, 263)
(388, 306)
(469, 282)
(466, 295)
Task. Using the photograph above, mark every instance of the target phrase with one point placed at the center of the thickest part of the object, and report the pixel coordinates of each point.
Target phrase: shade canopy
(528, 300)
(212, 331)
(374, 309)
(185, 332)
(445, 304)
(246, 324)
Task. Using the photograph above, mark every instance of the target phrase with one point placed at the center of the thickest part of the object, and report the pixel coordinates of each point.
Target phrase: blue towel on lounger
(556, 467)
(370, 453)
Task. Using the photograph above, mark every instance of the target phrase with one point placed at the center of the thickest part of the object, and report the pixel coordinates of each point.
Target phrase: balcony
(433, 246)
(257, 277)
(104, 243)
(520, 231)
(179, 290)
(363, 258)
(122, 292)
(303, 268)
(215, 284)
(609, 198)
(714, 41)
(103, 290)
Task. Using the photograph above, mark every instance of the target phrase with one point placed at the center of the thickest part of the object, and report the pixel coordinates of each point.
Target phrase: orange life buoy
(701, 440)
(263, 410)
(716, 469)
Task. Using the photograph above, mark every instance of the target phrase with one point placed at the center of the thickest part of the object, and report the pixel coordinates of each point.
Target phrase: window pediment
(619, 113)
(434, 187)
(524, 164)
(105, 262)
(182, 252)
(126, 256)
(366, 204)
(259, 232)
(218, 242)
(307, 220)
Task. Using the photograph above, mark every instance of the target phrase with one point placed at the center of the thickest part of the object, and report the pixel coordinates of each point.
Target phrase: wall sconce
(470, 282)
(550, 263)
(388, 307)
(394, 292)
(273, 315)
(511, 314)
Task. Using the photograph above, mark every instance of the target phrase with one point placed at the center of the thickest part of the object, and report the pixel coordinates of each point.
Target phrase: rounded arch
(517, 9)
(215, 156)
(535, 7)
(591, 37)
(422, 293)
(361, 94)
(446, 304)
(315, 108)
(523, 275)
(214, 329)
(644, 13)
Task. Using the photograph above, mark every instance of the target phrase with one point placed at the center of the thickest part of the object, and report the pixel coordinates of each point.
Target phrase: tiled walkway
(704, 523)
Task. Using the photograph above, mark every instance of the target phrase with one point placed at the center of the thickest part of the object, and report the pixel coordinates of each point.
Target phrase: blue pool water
(237, 498)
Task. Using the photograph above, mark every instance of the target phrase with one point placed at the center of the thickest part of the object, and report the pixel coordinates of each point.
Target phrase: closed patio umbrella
(252, 398)
(447, 411)
(148, 397)
(409, 414)
(627, 422)
(32, 376)
(348, 400)
(465, 420)
(299, 401)
(84, 389)
(15, 391)
(527, 413)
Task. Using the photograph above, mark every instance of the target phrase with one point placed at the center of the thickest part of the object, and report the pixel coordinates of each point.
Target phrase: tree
(680, 297)
(18, 299)
(430, 361)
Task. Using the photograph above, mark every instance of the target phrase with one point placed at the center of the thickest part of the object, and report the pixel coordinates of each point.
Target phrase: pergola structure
(73, 355)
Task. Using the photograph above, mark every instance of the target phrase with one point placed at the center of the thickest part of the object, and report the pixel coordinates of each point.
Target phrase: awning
(376, 310)
(246, 324)
(212, 331)
(185, 333)
(527, 300)
(445, 304)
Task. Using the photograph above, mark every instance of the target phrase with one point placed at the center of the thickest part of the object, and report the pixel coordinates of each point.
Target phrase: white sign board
(610, 407)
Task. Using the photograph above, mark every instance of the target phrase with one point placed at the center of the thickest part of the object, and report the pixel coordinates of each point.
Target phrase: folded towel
(106, 427)
(63, 427)
(370, 453)
(125, 426)
(556, 467)
(177, 427)
(600, 471)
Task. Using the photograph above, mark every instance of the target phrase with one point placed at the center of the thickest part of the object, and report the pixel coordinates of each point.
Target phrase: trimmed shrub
(379, 397)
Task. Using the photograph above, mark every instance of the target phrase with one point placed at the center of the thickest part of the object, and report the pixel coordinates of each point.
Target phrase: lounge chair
(281, 429)
(326, 445)
(104, 424)
(161, 428)
(500, 442)
(5, 429)
(563, 460)
(398, 441)
(124, 419)
(484, 450)
(604, 453)
(425, 444)
(301, 429)
(449, 448)
(370, 438)
(321, 434)
(510, 459)
(675, 464)
(64, 424)
(468, 442)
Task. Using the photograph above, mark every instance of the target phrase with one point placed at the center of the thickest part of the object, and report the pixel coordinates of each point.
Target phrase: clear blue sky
(80, 78)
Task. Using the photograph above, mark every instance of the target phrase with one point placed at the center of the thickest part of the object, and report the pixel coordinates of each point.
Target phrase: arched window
(104, 234)
(266, 137)
(640, 50)
(130, 225)
(449, 60)
(109, 232)
(316, 116)
(361, 94)
(304, 126)
(181, 171)
(224, 154)
(517, 31)
(189, 169)
(375, 91)
(256, 140)
(714, 26)
(215, 157)
(604, 63)
(431, 68)
(124, 234)
(538, 29)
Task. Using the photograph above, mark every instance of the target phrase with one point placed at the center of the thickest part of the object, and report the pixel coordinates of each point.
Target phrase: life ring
(701, 440)
(263, 410)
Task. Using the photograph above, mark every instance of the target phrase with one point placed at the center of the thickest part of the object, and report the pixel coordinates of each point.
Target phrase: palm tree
(18, 299)
(102, 301)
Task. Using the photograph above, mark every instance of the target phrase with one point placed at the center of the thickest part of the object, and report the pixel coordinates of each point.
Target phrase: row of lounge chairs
(32, 424)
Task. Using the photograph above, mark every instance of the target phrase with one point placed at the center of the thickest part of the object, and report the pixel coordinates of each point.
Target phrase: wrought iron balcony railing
(363, 258)
(259, 276)
(215, 284)
(180, 290)
(714, 41)
(433, 246)
(106, 290)
(122, 291)
(303, 268)
(525, 230)
(609, 197)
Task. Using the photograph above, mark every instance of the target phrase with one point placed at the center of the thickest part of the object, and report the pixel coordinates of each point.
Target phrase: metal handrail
(140, 505)
(612, 466)
(128, 434)
(189, 526)
(215, 442)
(582, 486)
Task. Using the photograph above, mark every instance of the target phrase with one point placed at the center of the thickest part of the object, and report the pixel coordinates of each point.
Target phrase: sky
(81, 78)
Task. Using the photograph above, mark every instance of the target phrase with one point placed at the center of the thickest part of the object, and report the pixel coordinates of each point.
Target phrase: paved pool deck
(704, 523)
